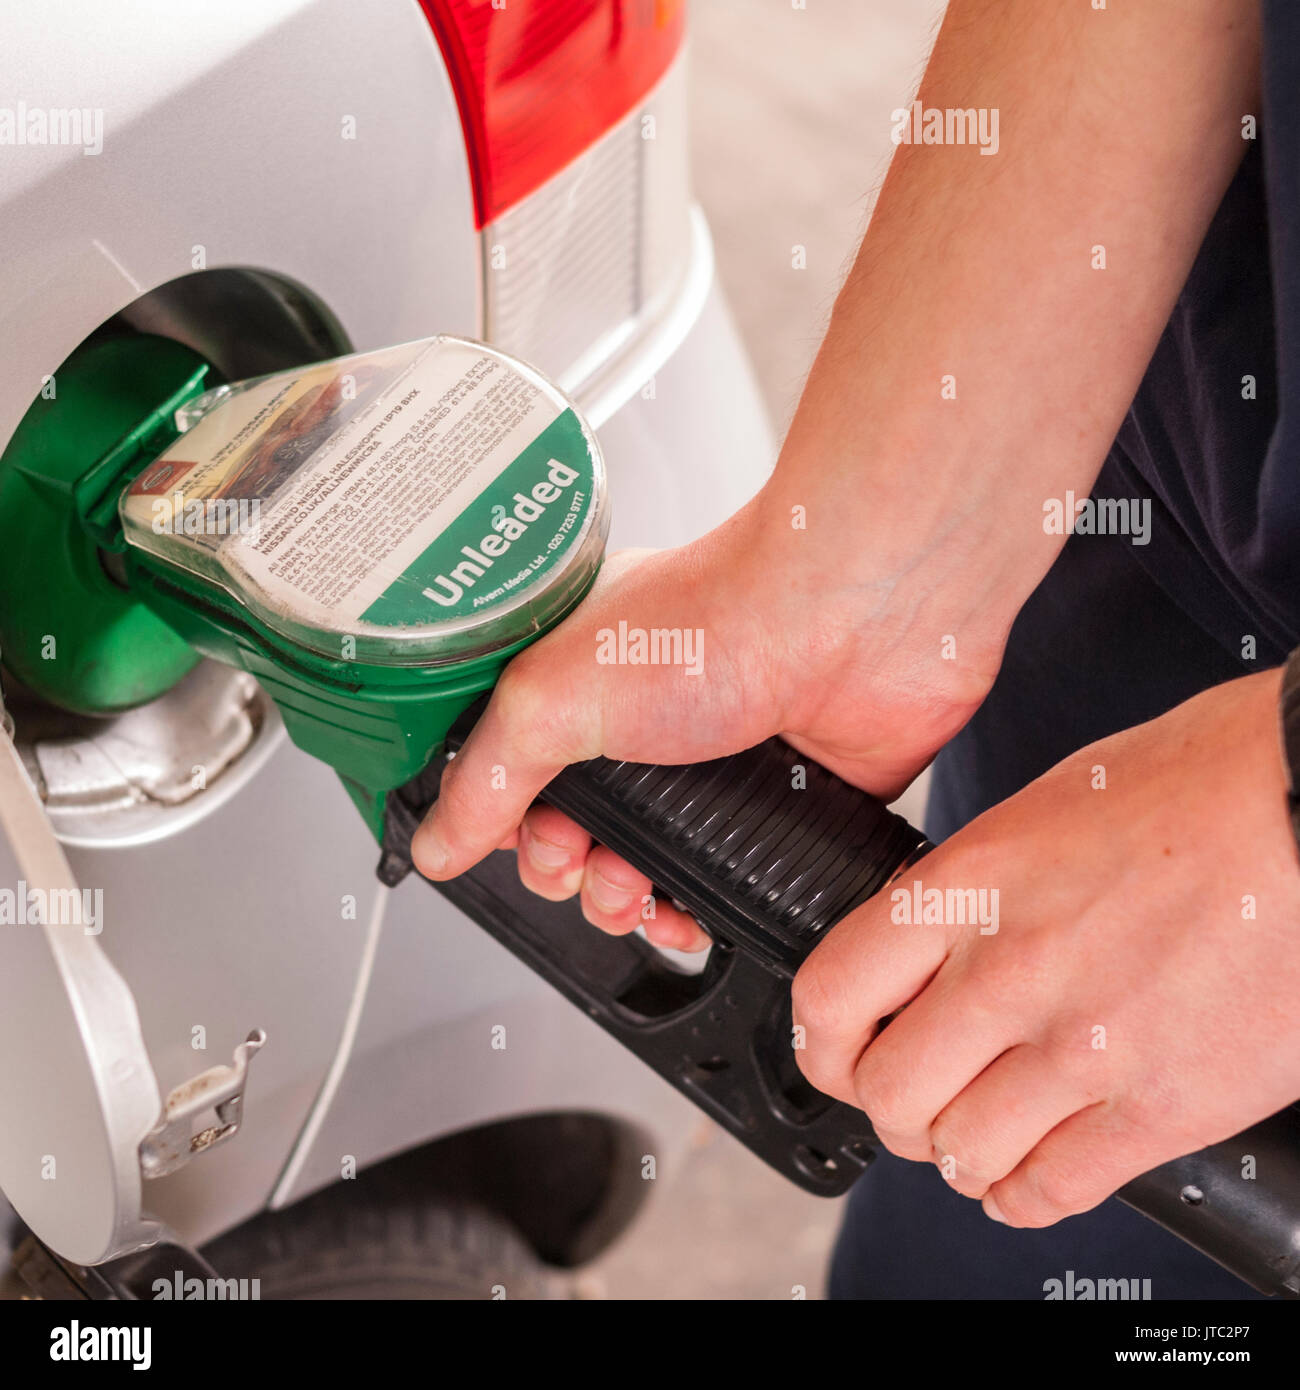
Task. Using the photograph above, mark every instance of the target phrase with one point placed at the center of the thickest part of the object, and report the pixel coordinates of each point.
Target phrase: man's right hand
(981, 356)
(850, 680)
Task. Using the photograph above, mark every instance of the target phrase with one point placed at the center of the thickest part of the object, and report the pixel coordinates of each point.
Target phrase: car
(266, 185)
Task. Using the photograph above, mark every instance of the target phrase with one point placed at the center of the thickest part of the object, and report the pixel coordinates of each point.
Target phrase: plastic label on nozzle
(420, 504)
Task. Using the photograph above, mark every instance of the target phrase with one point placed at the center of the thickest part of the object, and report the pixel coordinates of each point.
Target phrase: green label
(512, 536)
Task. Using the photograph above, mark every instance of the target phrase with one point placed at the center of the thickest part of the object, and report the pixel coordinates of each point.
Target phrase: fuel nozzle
(372, 537)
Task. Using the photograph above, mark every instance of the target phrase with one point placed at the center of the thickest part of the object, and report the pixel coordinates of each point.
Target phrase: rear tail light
(575, 125)
(572, 274)
(538, 81)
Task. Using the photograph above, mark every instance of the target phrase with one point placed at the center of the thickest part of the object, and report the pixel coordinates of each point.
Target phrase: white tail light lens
(573, 270)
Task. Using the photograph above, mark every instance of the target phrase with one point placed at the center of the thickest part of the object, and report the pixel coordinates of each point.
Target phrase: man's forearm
(978, 360)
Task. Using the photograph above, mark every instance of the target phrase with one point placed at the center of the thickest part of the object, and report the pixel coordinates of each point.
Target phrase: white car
(270, 182)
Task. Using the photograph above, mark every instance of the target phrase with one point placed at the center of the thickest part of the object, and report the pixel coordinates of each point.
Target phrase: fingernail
(546, 855)
(609, 897)
(992, 1210)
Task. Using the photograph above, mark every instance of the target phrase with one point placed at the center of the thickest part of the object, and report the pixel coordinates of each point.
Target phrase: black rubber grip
(768, 850)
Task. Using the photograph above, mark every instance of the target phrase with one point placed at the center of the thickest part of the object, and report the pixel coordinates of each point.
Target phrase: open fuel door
(84, 1124)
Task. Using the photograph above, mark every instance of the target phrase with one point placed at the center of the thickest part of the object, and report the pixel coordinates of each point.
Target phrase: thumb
(530, 731)
(545, 713)
(520, 742)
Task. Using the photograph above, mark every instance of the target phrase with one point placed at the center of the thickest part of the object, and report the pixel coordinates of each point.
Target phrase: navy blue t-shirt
(1117, 633)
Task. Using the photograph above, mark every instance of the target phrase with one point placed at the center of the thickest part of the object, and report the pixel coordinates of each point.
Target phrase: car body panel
(265, 912)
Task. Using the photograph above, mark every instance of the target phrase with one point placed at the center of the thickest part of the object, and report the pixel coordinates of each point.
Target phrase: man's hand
(1130, 995)
(846, 672)
(978, 360)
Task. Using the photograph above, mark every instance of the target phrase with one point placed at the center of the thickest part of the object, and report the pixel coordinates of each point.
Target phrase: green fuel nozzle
(371, 537)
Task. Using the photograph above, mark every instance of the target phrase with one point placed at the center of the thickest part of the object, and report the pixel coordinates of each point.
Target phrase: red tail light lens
(538, 81)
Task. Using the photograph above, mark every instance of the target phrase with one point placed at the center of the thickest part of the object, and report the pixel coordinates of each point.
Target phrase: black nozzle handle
(768, 850)
(1237, 1202)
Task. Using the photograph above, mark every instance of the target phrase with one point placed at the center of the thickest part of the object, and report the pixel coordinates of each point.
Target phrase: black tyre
(352, 1241)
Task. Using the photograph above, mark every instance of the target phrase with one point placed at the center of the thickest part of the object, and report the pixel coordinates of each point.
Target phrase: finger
(552, 853)
(520, 742)
(864, 969)
(1078, 1165)
(927, 1056)
(675, 930)
(614, 894)
(988, 1130)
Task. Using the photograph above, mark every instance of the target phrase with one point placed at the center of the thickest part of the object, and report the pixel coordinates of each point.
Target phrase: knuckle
(1018, 1204)
(518, 697)
(968, 1151)
(879, 1097)
(557, 888)
(454, 812)
(618, 873)
(546, 823)
(613, 924)
(812, 1064)
(528, 701)
(464, 792)
(813, 1060)
(617, 918)
(815, 1006)
(1056, 1190)
(1085, 1070)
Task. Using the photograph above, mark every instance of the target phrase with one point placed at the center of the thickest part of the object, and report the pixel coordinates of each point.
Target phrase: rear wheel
(345, 1243)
